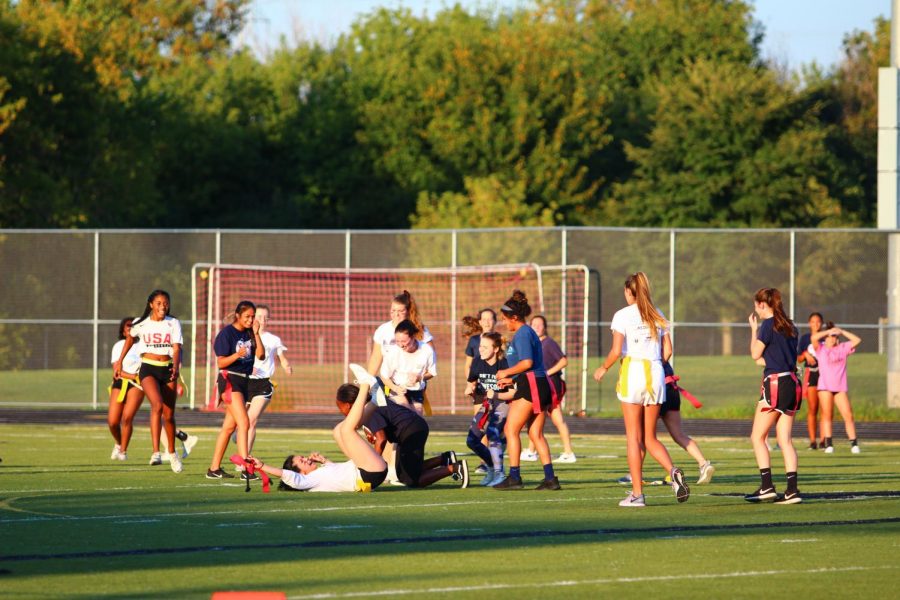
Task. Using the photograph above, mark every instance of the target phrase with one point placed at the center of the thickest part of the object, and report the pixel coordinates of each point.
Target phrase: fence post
(454, 257)
(347, 262)
(94, 378)
(672, 290)
(793, 271)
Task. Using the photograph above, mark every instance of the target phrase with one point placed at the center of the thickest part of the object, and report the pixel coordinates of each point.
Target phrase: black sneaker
(218, 474)
(448, 458)
(461, 473)
(761, 495)
(790, 498)
(549, 484)
(510, 483)
(250, 477)
(813, 446)
(681, 489)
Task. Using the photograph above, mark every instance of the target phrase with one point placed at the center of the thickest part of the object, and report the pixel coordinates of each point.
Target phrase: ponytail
(772, 297)
(412, 311)
(639, 286)
(470, 326)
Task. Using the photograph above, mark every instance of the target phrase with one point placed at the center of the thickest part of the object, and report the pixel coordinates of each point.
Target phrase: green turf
(127, 530)
(728, 387)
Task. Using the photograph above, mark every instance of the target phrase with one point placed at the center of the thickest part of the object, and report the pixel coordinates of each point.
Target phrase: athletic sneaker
(175, 462)
(155, 459)
(790, 498)
(499, 477)
(363, 377)
(706, 473)
(188, 445)
(761, 495)
(482, 469)
(448, 458)
(122, 456)
(855, 449)
(812, 446)
(115, 453)
(218, 474)
(829, 450)
(549, 484)
(528, 455)
(567, 457)
(510, 483)
(633, 501)
(492, 477)
(461, 473)
(681, 489)
(251, 477)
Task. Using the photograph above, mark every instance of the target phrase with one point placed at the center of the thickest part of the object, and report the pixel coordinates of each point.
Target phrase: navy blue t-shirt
(472, 345)
(781, 351)
(398, 422)
(526, 345)
(485, 374)
(229, 341)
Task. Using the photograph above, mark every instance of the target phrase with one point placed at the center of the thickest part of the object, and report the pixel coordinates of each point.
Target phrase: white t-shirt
(638, 341)
(158, 336)
(384, 336)
(264, 369)
(397, 364)
(131, 364)
(330, 477)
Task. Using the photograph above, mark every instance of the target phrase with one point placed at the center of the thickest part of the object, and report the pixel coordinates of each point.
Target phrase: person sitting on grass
(400, 425)
(363, 472)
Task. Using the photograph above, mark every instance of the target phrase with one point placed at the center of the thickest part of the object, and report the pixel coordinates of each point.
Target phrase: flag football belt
(772, 382)
(123, 391)
(226, 393)
(157, 363)
(622, 384)
(250, 468)
(362, 486)
(536, 396)
(672, 380)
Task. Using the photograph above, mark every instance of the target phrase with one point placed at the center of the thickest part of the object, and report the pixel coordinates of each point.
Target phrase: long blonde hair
(639, 286)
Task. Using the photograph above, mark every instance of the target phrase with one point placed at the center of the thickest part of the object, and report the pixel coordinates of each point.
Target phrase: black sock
(827, 442)
(853, 442)
(791, 482)
(181, 435)
(766, 476)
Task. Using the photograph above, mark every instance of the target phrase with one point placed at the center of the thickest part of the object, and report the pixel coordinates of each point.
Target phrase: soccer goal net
(326, 318)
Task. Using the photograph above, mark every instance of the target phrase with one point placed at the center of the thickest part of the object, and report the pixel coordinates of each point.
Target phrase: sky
(796, 31)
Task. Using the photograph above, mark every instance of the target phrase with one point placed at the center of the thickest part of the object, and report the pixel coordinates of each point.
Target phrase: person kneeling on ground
(364, 472)
(399, 425)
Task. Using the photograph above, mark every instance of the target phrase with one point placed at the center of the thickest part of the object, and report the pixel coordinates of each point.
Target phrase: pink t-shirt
(833, 366)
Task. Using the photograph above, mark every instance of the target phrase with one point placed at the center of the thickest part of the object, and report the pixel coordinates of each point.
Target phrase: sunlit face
(831, 340)
(262, 315)
(304, 465)
(487, 321)
(762, 309)
(126, 328)
(343, 407)
(486, 349)
(405, 343)
(538, 325)
(510, 321)
(245, 319)
(815, 324)
(159, 308)
(398, 313)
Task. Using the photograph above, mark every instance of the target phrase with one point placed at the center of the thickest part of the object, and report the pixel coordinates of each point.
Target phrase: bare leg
(762, 423)
(114, 417)
(654, 446)
(812, 412)
(354, 447)
(169, 396)
(133, 401)
(633, 415)
(257, 406)
(672, 421)
(228, 427)
(826, 409)
(785, 442)
(560, 421)
(151, 390)
(843, 403)
(536, 435)
(519, 413)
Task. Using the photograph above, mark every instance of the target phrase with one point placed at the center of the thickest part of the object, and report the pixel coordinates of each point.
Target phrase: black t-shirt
(398, 422)
(485, 374)
(472, 345)
(229, 341)
(781, 351)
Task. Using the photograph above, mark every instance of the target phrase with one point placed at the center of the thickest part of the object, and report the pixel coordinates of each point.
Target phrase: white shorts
(633, 387)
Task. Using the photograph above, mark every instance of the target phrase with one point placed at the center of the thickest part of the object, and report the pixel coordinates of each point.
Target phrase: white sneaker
(633, 501)
(567, 457)
(363, 377)
(117, 450)
(829, 450)
(188, 445)
(175, 462)
(155, 459)
(528, 456)
(855, 449)
(122, 456)
(706, 473)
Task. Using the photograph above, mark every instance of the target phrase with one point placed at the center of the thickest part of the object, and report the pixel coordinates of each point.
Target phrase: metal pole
(793, 273)
(453, 319)
(347, 248)
(94, 378)
(672, 292)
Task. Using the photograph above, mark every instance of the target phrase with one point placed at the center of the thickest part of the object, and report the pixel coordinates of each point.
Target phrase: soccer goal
(326, 318)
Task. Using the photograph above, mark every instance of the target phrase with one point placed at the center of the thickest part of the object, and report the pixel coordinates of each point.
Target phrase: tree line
(126, 113)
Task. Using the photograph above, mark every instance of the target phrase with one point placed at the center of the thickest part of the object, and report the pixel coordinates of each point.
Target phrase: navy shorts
(239, 385)
(782, 393)
(541, 389)
(260, 387)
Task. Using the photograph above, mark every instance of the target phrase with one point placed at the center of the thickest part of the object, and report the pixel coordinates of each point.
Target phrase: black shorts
(239, 385)
(525, 382)
(811, 377)
(260, 387)
(786, 387)
(373, 478)
(411, 457)
(673, 400)
(162, 374)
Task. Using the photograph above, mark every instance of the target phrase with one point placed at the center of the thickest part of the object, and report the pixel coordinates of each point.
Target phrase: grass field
(76, 525)
(727, 385)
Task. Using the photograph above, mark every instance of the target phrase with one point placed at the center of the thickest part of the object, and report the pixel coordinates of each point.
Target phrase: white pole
(672, 291)
(347, 263)
(793, 273)
(193, 335)
(564, 313)
(94, 378)
(453, 319)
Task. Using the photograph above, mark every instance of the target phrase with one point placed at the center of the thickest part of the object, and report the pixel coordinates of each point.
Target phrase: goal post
(326, 318)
